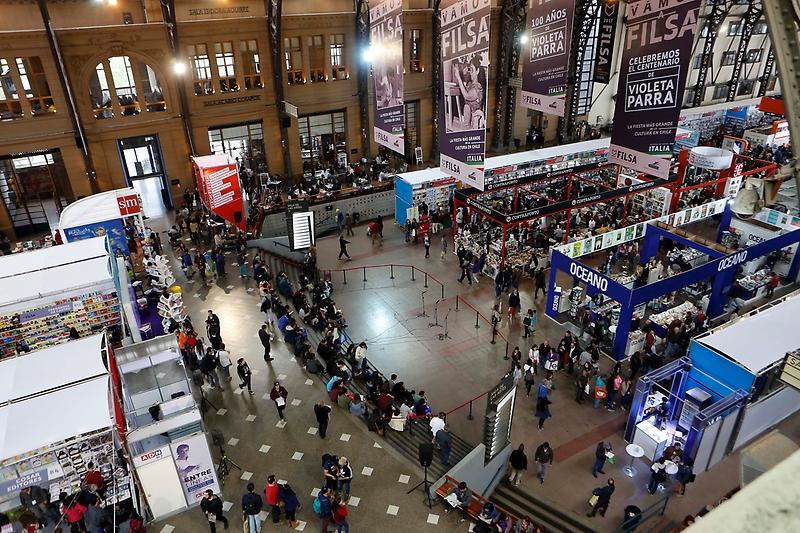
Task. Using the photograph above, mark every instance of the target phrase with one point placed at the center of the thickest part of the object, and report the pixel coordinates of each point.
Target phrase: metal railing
(657, 509)
(328, 274)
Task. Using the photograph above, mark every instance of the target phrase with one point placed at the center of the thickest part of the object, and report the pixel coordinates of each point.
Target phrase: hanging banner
(546, 55)
(386, 45)
(195, 467)
(219, 187)
(607, 30)
(656, 52)
(113, 229)
(463, 90)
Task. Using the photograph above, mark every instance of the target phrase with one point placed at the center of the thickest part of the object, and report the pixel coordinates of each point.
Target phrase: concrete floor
(385, 312)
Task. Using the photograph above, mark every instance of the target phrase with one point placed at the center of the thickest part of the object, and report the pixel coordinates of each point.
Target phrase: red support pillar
(683, 164)
(569, 220)
(503, 247)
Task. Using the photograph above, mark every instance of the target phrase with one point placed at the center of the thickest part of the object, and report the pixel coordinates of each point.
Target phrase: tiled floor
(385, 312)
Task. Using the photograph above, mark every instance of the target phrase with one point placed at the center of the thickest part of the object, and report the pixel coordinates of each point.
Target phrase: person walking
(322, 506)
(344, 477)
(213, 329)
(426, 241)
(211, 506)
(600, 458)
(245, 374)
(772, 284)
(252, 504)
(339, 222)
(265, 338)
(339, 515)
(599, 390)
(208, 366)
(343, 248)
(539, 282)
(466, 267)
(348, 224)
(684, 477)
(601, 496)
(544, 458)
(529, 373)
(529, 323)
(443, 246)
(224, 359)
(278, 395)
(291, 504)
(543, 410)
(445, 443)
(271, 496)
(513, 304)
(323, 414)
(518, 463)
(658, 473)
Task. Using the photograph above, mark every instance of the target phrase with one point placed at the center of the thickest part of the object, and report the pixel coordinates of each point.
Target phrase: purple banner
(464, 88)
(27, 316)
(545, 56)
(607, 31)
(655, 58)
(386, 44)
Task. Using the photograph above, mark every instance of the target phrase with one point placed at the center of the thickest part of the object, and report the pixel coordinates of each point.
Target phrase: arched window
(124, 86)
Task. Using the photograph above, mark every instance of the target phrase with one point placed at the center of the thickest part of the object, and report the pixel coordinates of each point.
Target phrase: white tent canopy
(759, 340)
(215, 160)
(519, 158)
(51, 368)
(53, 257)
(95, 208)
(419, 177)
(49, 418)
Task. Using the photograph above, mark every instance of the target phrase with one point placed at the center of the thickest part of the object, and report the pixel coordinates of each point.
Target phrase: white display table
(651, 439)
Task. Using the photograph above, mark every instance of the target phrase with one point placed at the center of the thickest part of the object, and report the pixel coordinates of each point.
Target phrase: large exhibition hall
(490, 266)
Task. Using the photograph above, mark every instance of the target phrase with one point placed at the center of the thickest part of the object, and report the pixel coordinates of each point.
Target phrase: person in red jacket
(339, 515)
(271, 492)
(94, 477)
(278, 395)
(72, 510)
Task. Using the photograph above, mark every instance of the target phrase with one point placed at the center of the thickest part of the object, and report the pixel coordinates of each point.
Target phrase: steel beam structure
(748, 21)
(783, 20)
(362, 77)
(72, 111)
(769, 67)
(436, 75)
(274, 8)
(171, 25)
(586, 13)
(507, 62)
(711, 26)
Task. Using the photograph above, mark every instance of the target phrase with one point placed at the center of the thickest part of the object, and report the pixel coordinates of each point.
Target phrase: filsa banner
(545, 55)
(464, 88)
(604, 52)
(656, 54)
(386, 45)
(220, 190)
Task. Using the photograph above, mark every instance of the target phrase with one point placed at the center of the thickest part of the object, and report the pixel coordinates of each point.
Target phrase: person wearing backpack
(251, 508)
(529, 372)
(322, 506)
(599, 390)
(529, 323)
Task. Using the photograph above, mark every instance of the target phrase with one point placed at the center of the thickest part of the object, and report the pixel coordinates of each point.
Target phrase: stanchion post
(344, 275)
(365, 273)
(456, 301)
(412, 273)
(391, 271)
(506, 356)
(442, 291)
(469, 416)
(426, 280)
(494, 332)
(476, 320)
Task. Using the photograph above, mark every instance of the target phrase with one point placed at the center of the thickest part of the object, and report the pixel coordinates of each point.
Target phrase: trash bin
(633, 516)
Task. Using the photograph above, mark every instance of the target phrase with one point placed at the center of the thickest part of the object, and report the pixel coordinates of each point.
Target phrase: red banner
(220, 189)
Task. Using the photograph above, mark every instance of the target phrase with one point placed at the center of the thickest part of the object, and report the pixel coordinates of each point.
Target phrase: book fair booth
(55, 423)
(420, 194)
(702, 276)
(723, 394)
(166, 437)
(44, 293)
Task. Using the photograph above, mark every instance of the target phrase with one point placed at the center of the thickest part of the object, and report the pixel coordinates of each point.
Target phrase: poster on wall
(113, 229)
(606, 32)
(545, 56)
(386, 46)
(464, 89)
(655, 55)
(195, 467)
(218, 183)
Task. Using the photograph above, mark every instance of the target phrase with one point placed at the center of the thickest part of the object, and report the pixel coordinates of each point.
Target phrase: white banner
(195, 467)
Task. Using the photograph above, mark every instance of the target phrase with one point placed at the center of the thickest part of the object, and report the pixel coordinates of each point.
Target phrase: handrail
(459, 406)
(657, 508)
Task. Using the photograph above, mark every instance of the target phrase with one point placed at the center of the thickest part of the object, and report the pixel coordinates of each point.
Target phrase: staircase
(522, 503)
(519, 502)
(406, 442)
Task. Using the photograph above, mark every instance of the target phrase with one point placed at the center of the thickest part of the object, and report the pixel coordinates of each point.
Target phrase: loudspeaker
(425, 454)
(217, 438)
(286, 122)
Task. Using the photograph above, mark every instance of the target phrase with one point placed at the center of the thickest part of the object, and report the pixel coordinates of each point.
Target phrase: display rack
(160, 272)
(171, 307)
(49, 324)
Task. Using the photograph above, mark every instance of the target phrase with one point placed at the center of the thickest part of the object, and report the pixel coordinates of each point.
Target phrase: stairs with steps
(518, 502)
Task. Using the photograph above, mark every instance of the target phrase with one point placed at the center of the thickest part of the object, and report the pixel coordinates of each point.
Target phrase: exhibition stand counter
(65, 390)
(411, 189)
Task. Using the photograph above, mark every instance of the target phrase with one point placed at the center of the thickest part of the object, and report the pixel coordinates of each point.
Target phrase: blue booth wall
(715, 373)
(403, 196)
